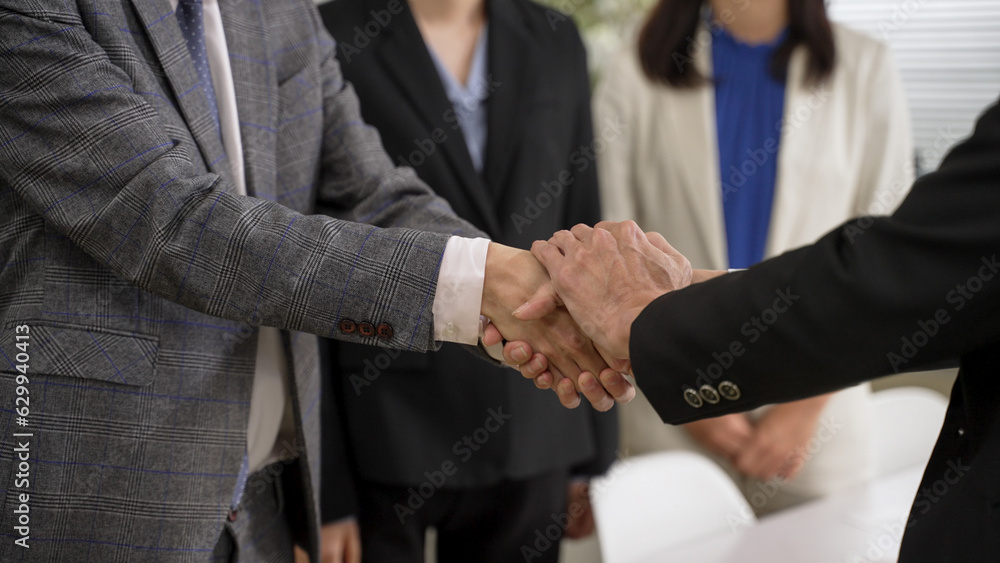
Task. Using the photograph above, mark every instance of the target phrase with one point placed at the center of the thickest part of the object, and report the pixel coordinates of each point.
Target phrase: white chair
(906, 422)
(652, 502)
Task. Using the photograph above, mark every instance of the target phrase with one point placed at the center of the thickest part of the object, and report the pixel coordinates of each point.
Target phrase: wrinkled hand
(778, 445)
(606, 276)
(726, 435)
(581, 513)
(340, 542)
(535, 366)
(512, 277)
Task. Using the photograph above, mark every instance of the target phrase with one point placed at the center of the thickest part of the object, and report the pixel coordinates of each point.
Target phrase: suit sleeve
(93, 159)
(874, 297)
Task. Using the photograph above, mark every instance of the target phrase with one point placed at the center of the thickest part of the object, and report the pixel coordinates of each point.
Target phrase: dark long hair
(668, 38)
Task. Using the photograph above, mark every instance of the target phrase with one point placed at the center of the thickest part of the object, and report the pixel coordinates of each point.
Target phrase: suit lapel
(413, 71)
(797, 169)
(510, 57)
(255, 81)
(692, 111)
(165, 36)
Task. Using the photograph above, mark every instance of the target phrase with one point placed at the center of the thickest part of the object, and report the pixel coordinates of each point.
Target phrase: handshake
(566, 308)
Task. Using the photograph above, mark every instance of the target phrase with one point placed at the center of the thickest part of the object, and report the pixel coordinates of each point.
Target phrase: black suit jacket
(407, 414)
(877, 296)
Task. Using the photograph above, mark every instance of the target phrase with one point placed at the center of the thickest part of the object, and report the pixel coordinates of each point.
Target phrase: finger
(792, 467)
(748, 461)
(563, 240)
(599, 398)
(543, 381)
(491, 335)
(657, 240)
(517, 353)
(773, 462)
(567, 393)
(547, 253)
(581, 232)
(534, 367)
(332, 551)
(353, 552)
(618, 386)
(544, 301)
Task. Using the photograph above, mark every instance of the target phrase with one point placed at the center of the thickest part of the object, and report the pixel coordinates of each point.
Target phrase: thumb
(544, 301)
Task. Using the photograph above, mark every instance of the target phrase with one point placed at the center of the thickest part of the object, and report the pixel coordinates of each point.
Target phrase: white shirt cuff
(459, 295)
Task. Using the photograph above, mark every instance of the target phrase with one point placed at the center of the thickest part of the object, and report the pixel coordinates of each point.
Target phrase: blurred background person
(752, 128)
(490, 103)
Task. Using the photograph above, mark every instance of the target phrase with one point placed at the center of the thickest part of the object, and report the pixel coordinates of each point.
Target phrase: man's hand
(606, 276)
(512, 278)
(340, 542)
(726, 435)
(581, 513)
(778, 445)
(533, 365)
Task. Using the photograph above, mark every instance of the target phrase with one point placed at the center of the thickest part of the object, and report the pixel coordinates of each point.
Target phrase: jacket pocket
(84, 352)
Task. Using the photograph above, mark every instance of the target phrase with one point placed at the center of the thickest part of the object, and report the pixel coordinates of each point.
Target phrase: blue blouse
(749, 104)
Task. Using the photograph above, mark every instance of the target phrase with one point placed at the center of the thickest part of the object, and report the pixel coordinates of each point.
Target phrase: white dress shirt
(457, 300)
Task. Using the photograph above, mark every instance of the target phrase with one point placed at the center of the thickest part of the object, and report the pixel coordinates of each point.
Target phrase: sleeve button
(693, 398)
(384, 331)
(709, 394)
(366, 329)
(730, 391)
(347, 326)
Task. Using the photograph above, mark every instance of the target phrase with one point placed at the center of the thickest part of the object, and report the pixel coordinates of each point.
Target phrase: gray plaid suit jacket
(142, 275)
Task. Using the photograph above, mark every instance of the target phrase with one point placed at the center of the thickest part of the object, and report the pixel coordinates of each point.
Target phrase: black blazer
(403, 416)
(915, 290)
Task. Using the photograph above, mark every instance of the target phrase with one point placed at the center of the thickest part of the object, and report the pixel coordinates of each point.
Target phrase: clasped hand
(572, 333)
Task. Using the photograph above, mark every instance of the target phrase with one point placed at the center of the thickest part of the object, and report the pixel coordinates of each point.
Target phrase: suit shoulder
(857, 50)
(546, 22)
(341, 16)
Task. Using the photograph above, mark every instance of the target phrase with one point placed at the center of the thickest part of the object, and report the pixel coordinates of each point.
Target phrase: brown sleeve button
(347, 326)
(384, 331)
(366, 329)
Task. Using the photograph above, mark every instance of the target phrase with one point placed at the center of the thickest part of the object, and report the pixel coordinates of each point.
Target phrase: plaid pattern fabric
(143, 277)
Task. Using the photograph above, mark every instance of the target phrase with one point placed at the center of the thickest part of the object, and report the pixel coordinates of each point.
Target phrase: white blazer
(845, 150)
